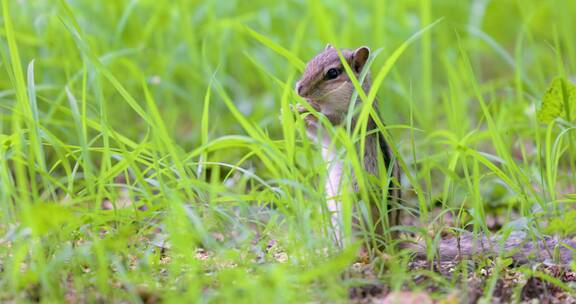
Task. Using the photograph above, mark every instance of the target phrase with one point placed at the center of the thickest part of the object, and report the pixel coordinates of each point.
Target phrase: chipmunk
(328, 89)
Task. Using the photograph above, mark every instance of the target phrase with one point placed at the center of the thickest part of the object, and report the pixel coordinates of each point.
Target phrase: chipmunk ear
(328, 46)
(359, 58)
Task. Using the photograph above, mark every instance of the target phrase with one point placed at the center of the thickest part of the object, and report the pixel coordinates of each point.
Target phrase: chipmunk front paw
(298, 109)
(309, 119)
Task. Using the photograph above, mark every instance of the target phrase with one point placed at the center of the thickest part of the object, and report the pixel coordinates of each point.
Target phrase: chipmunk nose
(299, 88)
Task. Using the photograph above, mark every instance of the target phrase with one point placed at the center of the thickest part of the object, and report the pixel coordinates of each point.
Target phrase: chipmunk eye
(332, 74)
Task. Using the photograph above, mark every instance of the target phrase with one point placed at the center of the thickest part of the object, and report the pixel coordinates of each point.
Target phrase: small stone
(106, 205)
(405, 297)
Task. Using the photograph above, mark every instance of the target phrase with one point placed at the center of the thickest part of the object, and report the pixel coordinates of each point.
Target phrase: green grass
(184, 107)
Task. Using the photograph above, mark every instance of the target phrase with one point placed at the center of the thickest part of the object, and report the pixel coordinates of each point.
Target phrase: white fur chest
(334, 167)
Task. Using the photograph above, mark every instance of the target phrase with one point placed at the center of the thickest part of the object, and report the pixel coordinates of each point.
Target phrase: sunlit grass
(147, 148)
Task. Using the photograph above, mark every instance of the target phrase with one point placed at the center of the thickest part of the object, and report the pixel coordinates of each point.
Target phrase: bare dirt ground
(527, 284)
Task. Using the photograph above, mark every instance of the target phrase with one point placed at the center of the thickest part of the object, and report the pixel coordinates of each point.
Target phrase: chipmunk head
(326, 83)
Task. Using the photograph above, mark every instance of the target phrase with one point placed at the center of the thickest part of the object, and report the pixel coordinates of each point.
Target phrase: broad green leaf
(559, 101)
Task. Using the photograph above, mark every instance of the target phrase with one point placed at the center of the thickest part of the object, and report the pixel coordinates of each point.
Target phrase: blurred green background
(180, 46)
